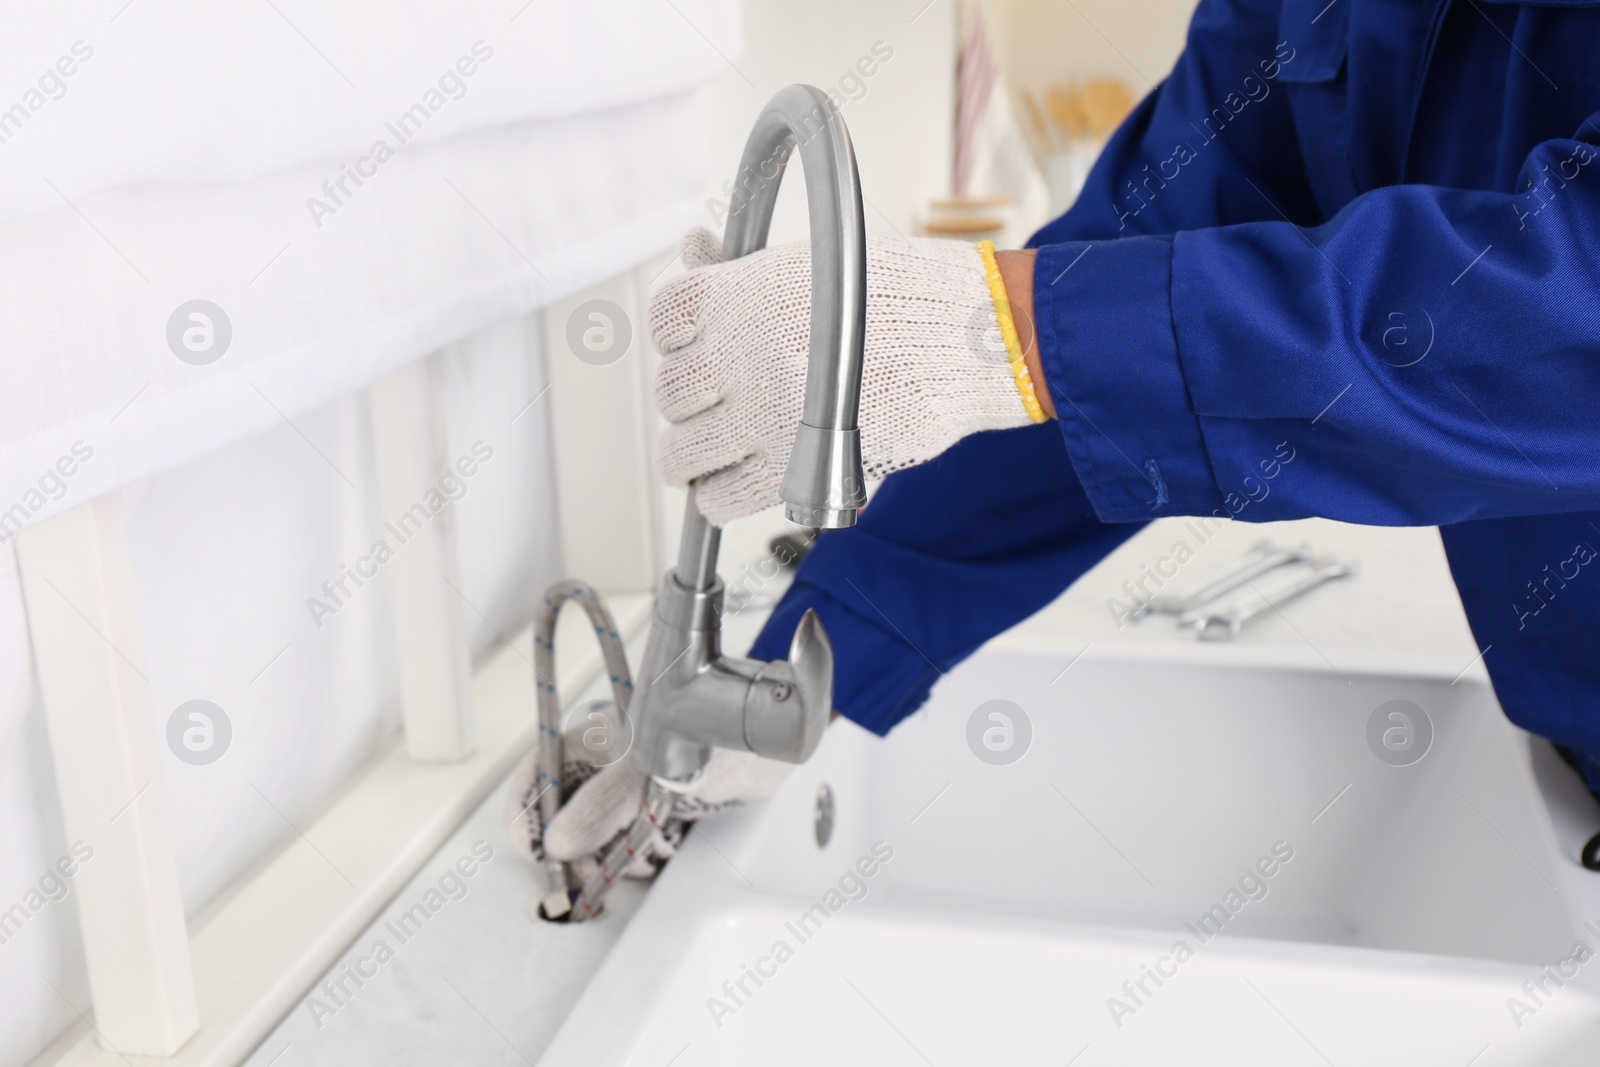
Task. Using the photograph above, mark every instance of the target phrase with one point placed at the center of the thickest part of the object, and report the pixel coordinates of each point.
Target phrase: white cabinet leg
(430, 628)
(77, 577)
(603, 431)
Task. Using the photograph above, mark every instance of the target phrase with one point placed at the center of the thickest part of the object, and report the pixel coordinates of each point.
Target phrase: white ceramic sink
(1405, 907)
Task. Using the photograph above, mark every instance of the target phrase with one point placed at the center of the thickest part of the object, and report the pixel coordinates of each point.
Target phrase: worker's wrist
(1016, 271)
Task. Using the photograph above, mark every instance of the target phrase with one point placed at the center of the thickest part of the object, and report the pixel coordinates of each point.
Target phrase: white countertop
(482, 982)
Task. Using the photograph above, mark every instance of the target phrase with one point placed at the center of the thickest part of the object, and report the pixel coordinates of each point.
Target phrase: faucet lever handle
(811, 659)
(790, 701)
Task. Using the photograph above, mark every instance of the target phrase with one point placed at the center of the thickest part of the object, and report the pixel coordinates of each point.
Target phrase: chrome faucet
(692, 697)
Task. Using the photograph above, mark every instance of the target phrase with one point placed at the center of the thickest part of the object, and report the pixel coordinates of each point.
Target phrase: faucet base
(694, 697)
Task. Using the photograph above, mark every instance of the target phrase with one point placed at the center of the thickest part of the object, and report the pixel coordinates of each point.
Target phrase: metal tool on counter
(1261, 559)
(1222, 623)
(1217, 608)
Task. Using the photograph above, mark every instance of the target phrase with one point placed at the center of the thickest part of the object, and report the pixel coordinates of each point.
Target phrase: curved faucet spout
(823, 485)
(693, 697)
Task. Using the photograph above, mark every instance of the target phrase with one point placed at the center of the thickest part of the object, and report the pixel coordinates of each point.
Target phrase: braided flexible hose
(657, 806)
(551, 747)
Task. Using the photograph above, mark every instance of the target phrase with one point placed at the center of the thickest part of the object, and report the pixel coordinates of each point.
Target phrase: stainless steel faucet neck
(692, 696)
(823, 485)
(697, 549)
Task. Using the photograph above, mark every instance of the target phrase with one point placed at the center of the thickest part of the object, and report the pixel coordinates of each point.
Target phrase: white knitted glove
(734, 338)
(607, 802)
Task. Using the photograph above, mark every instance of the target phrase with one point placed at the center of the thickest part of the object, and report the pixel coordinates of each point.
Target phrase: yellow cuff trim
(1008, 331)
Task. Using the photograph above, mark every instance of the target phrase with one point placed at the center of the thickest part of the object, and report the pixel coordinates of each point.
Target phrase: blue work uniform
(1362, 234)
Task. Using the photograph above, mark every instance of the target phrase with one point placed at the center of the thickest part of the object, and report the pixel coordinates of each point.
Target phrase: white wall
(1043, 42)
(901, 123)
(226, 552)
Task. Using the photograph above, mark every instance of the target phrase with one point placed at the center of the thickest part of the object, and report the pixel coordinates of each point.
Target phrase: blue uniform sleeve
(1427, 356)
(945, 556)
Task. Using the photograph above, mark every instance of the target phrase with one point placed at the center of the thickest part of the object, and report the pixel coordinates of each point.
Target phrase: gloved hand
(601, 805)
(734, 338)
